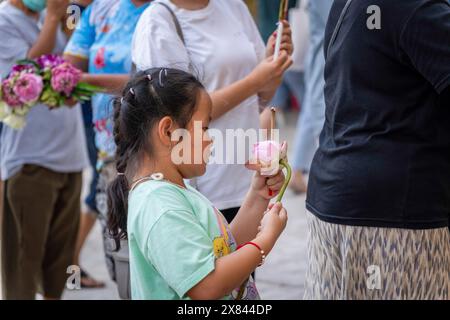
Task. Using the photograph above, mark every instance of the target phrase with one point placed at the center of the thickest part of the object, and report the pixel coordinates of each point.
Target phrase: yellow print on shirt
(221, 244)
(221, 247)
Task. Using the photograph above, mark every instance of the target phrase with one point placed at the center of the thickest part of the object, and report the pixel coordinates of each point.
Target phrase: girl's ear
(165, 128)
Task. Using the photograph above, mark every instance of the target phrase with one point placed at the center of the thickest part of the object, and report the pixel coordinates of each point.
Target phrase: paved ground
(282, 276)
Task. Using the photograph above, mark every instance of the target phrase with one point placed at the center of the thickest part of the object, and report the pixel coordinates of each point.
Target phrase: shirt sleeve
(426, 41)
(156, 42)
(12, 48)
(180, 250)
(84, 36)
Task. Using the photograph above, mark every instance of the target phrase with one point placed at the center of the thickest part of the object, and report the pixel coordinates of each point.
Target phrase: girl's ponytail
(119, 188)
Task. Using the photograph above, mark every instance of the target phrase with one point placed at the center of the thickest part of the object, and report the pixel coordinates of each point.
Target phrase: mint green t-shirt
(175, 236)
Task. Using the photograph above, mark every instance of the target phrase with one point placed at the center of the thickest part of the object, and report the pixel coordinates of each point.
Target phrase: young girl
(180, 245)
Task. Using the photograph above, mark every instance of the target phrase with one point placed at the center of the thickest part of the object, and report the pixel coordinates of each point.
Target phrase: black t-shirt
(384, 155)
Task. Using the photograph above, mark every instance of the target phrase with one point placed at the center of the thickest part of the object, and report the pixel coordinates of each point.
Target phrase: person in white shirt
(221, 44)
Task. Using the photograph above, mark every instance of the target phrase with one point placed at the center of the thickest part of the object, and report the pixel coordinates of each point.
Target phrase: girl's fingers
(289, 48)
(273, 181)
(276, 208)
(282, 58)
(275, 190)
(283, 214)
(287, 30)
(286, 39)
(286, 27)
(274, 193)
(279, 179)
(253, 166)
(287, 64)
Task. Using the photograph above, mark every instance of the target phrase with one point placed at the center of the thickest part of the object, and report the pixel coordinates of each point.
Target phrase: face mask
(35, 5)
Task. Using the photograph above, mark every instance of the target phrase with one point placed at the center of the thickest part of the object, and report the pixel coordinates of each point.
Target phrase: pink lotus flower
(268, 155)
(28, 88)
(9, 96)
(65, 77)
(50, 61)
(270, 158)
(18, 68)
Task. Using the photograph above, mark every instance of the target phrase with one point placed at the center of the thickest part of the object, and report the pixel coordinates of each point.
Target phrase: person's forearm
(79, 62)
(112, 83)
(266, 96)
(245, 225)
(47, 38)
(231, 271)
(227, 98)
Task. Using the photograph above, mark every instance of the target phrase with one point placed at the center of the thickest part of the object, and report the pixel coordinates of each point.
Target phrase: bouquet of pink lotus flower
(48, 80)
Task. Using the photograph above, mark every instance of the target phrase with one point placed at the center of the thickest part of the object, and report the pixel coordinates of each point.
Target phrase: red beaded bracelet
(263, 255)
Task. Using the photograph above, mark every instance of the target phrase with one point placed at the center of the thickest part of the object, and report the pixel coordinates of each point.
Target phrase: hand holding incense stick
(284, 5)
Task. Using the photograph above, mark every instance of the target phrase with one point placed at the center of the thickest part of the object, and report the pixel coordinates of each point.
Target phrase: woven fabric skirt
(348, 262)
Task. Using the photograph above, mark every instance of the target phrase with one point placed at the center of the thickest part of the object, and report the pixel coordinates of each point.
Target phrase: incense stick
(284, 7)
(272, 123)
(282, 15)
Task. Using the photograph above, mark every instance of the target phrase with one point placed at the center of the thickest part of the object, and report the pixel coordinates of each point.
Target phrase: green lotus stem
(285, 164)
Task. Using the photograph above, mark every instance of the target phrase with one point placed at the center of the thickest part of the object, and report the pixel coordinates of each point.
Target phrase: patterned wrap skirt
(347, 262)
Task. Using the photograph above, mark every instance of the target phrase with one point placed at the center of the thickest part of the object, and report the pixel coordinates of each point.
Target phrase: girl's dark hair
(148, 97)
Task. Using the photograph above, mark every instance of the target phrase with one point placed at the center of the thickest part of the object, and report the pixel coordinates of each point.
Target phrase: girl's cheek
(207, 144)
(207, 150)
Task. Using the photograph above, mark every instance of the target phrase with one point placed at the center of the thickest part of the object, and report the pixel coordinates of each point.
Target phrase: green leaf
(89, 87)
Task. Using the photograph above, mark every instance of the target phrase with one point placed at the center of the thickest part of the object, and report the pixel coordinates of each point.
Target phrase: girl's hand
(286, 41)
(272, 225)
(268, 74)
(266, 187)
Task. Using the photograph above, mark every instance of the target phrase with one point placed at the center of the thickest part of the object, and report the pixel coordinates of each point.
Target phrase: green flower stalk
(285, 164)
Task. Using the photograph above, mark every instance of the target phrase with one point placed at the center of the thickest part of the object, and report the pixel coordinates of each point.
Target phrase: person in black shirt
(379, 186)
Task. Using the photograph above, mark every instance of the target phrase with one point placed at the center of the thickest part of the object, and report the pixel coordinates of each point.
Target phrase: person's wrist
(53, 18)
(256, 195)
(255, 81)
(85, 77)
(266, 241)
